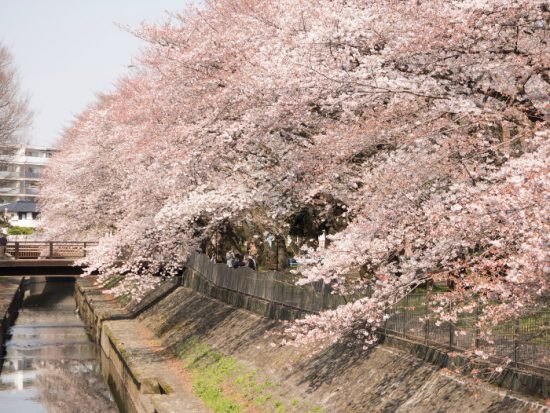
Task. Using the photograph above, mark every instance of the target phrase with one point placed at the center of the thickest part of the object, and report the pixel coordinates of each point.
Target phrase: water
(50, 363)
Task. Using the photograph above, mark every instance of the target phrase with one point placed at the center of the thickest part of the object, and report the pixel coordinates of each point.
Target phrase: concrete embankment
(231, 357)
(142, 375)
(11, 294)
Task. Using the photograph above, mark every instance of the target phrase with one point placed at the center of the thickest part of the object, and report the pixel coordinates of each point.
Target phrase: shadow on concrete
(182, 316)
(333, 362)
(55, 291)
(44, 271)
(207, 314)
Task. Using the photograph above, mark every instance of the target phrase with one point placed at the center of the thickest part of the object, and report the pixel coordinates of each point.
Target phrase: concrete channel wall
(341, 378)
(11, 296)
(266, 294)
(135, 367)
(95, 310)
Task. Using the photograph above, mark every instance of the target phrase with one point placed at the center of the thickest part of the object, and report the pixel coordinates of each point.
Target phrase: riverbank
(230, 359)
(144, 377)
(11, 294)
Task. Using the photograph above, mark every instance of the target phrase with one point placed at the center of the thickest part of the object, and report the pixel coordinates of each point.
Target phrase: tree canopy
(426, 122)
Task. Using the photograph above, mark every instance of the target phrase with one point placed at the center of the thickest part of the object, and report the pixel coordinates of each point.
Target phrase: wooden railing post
(84, 250)
(51, 250)
(16, 252)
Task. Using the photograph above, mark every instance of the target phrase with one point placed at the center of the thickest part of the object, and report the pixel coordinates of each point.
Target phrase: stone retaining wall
(526, 382)
(277, 311)
(264, 294)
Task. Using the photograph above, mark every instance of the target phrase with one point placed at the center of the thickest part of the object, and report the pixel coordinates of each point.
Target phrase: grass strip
(228, 386)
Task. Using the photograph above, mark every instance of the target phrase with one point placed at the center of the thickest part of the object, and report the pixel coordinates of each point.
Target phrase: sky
(65, 51)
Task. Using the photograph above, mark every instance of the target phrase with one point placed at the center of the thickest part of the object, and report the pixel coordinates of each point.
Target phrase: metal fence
(48, 249)
(269, 286)
(524, 341)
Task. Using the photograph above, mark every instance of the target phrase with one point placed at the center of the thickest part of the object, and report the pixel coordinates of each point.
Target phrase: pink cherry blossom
(427, 121)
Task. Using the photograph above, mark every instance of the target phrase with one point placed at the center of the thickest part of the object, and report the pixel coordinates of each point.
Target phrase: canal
(50, 364)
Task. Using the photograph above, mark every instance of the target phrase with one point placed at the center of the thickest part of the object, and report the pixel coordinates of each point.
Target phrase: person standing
(251, 263)
(3, 245)
(229, 258)
(238, 262)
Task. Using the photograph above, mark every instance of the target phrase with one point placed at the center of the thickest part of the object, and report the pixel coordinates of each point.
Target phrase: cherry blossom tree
(425, 123)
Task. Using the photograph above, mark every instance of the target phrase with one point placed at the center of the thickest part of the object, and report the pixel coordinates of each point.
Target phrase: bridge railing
(20, 250)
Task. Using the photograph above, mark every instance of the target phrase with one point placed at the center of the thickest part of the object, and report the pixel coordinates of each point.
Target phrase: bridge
(44, 257)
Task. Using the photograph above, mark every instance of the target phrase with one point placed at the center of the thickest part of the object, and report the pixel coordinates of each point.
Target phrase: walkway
(151, 363)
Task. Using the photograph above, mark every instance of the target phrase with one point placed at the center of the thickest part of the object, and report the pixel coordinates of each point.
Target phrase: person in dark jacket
(3, 245)
(238, 262)
(251, 263)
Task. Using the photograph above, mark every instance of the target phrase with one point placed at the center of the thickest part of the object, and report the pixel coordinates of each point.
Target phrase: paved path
(148, 359)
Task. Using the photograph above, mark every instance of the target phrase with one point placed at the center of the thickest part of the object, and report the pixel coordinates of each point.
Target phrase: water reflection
(50, 364)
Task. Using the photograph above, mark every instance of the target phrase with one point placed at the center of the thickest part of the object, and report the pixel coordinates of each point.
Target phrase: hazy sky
(66, 50)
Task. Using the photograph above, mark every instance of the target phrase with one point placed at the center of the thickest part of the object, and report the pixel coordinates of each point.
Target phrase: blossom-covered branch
(426, 122)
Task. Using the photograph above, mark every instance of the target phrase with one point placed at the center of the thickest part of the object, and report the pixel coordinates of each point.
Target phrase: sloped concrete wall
(267, 294)
(342, 377)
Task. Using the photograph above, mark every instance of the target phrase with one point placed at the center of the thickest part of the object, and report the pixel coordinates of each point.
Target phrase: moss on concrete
(237, 366)
(339, 378)
(229, 386)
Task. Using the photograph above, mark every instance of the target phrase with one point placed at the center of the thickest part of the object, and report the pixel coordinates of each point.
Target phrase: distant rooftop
(20, 206)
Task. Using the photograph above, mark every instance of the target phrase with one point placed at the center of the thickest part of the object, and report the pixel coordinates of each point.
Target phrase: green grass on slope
(228, 386)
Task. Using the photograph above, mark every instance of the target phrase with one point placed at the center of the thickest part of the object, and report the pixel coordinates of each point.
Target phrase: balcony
(35, 160)
(32, 175)
(14, 194)
(24, 160)
(9, 191)
(31, 191)
(10, 175)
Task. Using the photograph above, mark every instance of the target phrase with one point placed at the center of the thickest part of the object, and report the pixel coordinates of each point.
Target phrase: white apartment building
(21, 169)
